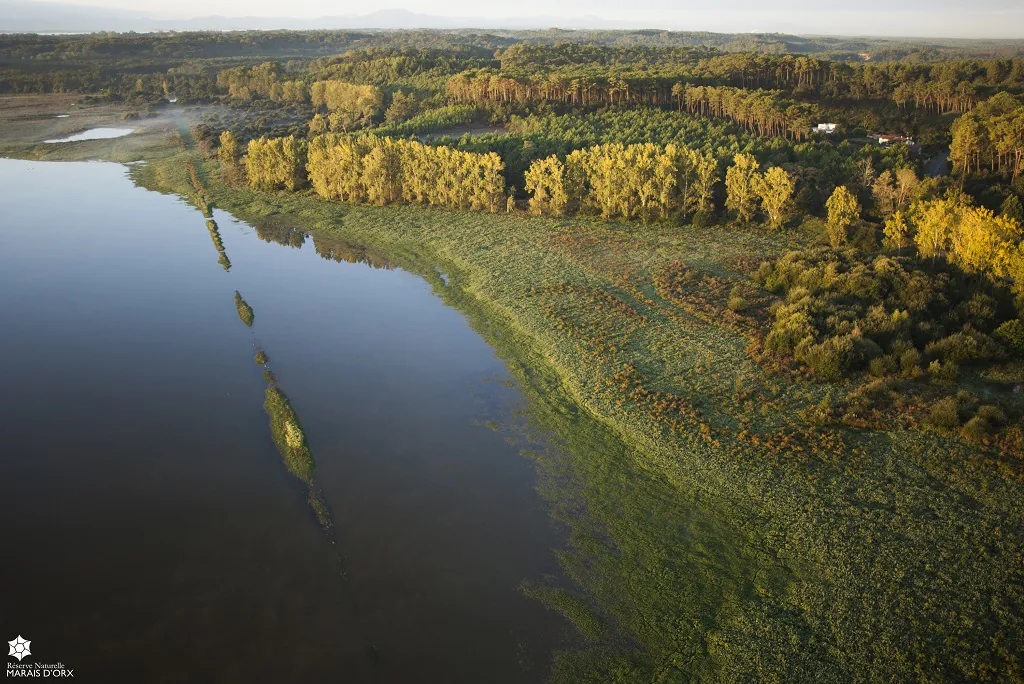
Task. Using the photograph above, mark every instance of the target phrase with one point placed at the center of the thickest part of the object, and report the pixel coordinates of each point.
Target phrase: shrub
(838, 357)
(943, 374)
(884, 365)
(737, 303)
(821, 414)
(966, 346)
(789, 331)
(1011, 333)
(976, 429)
(944, 414)
(991, 414)
(910, 363)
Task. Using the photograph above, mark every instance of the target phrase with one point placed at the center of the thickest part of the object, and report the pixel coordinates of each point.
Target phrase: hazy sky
(953, 18)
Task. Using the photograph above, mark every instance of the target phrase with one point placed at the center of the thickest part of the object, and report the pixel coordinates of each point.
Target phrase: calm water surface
(152, 532)
(92, 134)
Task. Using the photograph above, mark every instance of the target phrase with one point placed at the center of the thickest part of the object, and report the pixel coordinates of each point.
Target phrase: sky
(939, 18)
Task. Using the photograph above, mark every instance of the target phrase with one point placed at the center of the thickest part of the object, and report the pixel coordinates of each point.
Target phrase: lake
(92, 134)
(153, 532)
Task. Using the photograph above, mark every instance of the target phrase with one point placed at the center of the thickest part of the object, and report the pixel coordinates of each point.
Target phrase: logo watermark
(20, 648)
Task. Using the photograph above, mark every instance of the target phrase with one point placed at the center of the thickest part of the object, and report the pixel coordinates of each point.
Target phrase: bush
(944, 414)
(943, 374)
(1011, 333)
(884, 365)
(976, 429)
(910, 363)
(789, 331)
(991, 414)
(838, 357)
(966, 346)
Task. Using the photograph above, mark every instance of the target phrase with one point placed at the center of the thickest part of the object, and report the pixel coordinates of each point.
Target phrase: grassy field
(716, 535)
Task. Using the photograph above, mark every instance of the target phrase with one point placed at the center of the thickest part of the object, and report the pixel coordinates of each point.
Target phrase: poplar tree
(775, 188)
(229, 151)
(843, 212)
(740, 187)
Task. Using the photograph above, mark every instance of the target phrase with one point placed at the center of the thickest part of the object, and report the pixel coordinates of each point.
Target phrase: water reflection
(222, 257)
(280, 233)
(338, 249)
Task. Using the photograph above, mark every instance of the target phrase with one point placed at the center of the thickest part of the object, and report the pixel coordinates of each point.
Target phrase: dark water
(151, 531)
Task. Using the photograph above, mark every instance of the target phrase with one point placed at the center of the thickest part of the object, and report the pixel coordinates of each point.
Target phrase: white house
(827, 128)
(890, 139)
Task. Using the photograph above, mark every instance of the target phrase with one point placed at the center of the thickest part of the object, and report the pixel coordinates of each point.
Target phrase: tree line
(378, 170)
(990, 138)
(642, 181)
(759, 111)
(974, 238)
(372, 169)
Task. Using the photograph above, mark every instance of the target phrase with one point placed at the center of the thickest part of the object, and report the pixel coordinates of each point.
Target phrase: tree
(897, 231)
(229, 151)
(545, 179)
(739, 185)
(775, 188)
(349, 106)
(843, 212)
(317, 125)
(934, 224)
(883, 192)
(401, 108)
(275, 163)
(1011, 209)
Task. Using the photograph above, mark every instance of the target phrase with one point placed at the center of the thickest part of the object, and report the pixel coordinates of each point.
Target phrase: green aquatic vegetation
(245, 312)
(288, 435)
(261, 358)
(572, 607)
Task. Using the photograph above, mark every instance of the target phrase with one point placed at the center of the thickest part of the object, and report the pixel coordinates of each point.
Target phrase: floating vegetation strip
(245, 312)
(288, 435)
(291, 443)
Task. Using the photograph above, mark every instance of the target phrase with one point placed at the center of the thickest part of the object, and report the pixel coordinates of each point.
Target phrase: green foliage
(229, 151)
(838, 357)
(741, 186)
(623, 181)
(843, 213)
(775, 189)
(838, 302)
(1011, 334)
(429, 121)
(989, 137)
(245, 312)
(288, 435)
(944, 414)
